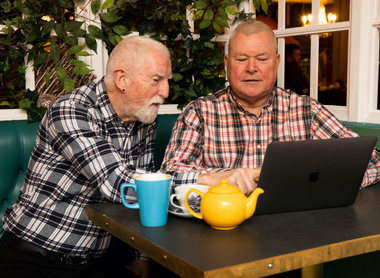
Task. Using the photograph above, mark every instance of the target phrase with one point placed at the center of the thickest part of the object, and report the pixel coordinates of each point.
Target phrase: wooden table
(262, 245)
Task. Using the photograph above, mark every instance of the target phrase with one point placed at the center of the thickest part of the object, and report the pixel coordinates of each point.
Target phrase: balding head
(252, 27)
(129, 54)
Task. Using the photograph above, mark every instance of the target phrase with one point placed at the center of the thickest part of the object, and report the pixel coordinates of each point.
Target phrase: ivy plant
(197, 58)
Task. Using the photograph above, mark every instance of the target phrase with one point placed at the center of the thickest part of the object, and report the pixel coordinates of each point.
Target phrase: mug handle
(172, 201)
(123, 186)
(197, 215)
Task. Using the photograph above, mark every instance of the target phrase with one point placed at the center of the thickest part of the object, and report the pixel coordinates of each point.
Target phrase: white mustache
(157, 100)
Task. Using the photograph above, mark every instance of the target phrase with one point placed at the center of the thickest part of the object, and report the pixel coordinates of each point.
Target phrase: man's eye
(241, 60)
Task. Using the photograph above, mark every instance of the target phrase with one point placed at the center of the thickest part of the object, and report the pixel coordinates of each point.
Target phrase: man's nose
(164, 89)
(251, 66)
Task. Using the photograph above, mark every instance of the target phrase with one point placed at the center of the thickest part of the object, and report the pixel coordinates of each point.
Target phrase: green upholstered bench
(17, 139)
(365, 129)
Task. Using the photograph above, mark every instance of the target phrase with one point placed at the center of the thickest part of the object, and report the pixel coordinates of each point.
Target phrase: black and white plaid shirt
(83, 154)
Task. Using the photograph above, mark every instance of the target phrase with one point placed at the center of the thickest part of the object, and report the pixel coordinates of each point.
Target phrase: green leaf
(61, 73)
(58, 29)
(118, 38)
(110, 17)
(69, 84)
(264, 6)
(55, 52)
(35, 114)
(107, 4)
(257, 4)
(73, 25)
(222, 22)
(4, 103)
(231, 11)
(222, 12)
(177, 77)
(65, 3)
(112, 38)
(91, 42)
(74, 49)
(79, 33)
(199, 5)
(25, 103)
(121, 30)
(81, 70)
(47, 27)
(71, 40)
(83, 53)
(24, 9)
(204, 24)
(40, 59)
(198, 14)
(47, 79)
(31, 37)
(96, 32)
(226, 3)
(209, 14)
(10, 85)
(217, 27)
(210, 45)
(95, 6)
(77, 63)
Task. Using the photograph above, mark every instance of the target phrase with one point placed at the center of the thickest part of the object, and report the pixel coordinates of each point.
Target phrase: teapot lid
(224, 188)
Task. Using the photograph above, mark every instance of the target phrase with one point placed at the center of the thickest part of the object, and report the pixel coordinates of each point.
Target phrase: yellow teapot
(224, 206)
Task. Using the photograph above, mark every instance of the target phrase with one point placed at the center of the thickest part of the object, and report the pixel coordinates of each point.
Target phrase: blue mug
(152, 198)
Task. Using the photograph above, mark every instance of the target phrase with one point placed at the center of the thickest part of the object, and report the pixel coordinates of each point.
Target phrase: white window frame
(363, 50)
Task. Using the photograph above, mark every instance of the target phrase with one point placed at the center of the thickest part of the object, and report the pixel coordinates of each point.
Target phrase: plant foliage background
(197, 59)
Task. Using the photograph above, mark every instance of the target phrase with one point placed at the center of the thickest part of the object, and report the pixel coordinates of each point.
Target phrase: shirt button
(258, 146)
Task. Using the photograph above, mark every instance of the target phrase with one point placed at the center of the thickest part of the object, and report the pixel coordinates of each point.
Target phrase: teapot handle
(197, 215)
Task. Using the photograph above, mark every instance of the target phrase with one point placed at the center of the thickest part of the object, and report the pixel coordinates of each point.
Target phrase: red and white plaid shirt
(215, 133)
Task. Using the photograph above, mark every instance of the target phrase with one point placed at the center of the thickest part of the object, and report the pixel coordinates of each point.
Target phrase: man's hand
(245, 178)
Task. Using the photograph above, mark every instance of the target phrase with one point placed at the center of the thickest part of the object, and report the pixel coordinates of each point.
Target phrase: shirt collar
(104, 102)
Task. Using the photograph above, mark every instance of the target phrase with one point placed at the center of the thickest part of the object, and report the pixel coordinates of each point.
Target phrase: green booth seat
(365, 129)
(17, 139)
(164, 132)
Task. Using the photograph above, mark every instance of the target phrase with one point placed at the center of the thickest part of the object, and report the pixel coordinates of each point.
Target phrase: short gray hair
(127, 52)
(252, 27)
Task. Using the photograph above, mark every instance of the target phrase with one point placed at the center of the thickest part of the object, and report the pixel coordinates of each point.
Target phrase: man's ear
(121, 78)
(226, 60)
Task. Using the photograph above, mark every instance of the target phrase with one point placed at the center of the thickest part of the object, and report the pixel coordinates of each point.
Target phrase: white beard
(148, 113)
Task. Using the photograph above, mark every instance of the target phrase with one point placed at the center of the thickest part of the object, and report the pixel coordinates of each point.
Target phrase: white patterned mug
(177, 199)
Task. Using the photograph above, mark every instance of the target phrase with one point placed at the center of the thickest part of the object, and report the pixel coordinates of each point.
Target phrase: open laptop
(313, 174)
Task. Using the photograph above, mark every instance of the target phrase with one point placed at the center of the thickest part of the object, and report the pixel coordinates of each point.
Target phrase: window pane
(269, 18)
(299, 14)
(297, 64)
(332, 73)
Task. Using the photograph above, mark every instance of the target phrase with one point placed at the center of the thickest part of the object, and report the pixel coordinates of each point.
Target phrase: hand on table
(245, 178)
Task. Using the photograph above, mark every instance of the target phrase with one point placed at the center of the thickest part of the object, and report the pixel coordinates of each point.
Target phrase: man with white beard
(90, 141)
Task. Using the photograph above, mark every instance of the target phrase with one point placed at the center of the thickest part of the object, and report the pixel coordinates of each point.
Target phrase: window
(343, 71)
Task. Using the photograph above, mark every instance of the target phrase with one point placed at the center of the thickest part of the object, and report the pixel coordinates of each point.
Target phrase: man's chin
(149, 116)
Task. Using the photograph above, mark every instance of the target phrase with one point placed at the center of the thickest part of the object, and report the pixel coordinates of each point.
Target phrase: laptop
(313, 174)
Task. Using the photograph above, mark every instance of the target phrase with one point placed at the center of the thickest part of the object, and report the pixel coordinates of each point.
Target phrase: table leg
(313, 271)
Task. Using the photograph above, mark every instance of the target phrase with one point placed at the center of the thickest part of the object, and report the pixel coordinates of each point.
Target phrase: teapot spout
(252, 202)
